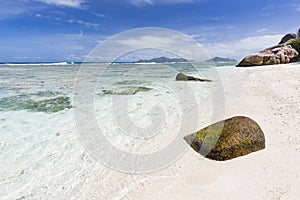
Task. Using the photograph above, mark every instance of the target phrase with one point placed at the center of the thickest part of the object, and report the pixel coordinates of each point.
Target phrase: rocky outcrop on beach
(288, 37)
(183, 77)
(228, 139)
(279, 54)
(286, 51)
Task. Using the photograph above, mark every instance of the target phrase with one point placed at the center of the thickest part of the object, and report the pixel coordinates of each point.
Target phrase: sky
(68, 30)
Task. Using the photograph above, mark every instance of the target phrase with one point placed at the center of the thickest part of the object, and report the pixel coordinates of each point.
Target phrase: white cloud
(12, 8)
(9, 8)
(141, 2)
(241, 48)
(262, 30)
(38, 15)
(152, 2)
(144, 55)
(215, 18)
(70, 21)
(66, 3)
(156, 40)
(198, 37)
(98, 14)
(56, 47)
(147, 41)
(87, 24)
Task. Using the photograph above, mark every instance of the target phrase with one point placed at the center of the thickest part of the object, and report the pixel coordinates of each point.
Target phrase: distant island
(163, 60)
(219, 59)
(182, 60)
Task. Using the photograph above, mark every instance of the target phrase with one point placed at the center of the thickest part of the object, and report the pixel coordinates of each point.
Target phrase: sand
(270, 95)
(55, 165)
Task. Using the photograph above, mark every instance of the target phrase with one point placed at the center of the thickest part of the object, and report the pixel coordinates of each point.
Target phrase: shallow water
(42, 155)
(20, 83)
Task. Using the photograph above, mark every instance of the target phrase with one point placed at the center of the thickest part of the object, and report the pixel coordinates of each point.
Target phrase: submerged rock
(126, 90)
(228, 139)
(26, 102)
(279, 54)
(183, 77)
(50, 105)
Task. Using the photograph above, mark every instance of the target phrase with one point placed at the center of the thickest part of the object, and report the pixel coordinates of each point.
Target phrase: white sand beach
(270, 95)
(42, 156)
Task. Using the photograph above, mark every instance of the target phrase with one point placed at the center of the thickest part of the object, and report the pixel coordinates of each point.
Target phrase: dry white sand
(58, 167)
(271, 96)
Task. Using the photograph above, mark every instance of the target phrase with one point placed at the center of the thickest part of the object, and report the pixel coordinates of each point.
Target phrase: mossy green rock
(49, 105)
(228, 139)
(24, 102)
(295, 44)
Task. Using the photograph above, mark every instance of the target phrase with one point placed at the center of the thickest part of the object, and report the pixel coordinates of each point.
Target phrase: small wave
(146, 63)
(36, 64)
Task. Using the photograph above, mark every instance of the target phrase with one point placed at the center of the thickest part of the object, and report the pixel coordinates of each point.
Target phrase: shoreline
(56, 164)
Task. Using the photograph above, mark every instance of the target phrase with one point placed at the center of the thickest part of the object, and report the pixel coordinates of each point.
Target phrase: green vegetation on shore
(295, 44)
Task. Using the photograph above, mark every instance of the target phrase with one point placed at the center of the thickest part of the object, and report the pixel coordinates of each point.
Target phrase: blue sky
(67, 30)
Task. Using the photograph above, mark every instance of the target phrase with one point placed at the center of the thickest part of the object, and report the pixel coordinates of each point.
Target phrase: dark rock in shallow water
(228, 139)
(279, 54)
(183, 77)
(288, 37)
(25, 102)
(50, 105)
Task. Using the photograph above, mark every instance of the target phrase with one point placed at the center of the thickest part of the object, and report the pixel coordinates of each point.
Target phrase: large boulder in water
(288, 37)
(279, 54)
(228, 139)
(183, 77)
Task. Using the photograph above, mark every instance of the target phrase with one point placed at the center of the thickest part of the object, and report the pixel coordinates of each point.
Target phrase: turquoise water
(43, 156)
(49, 88)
